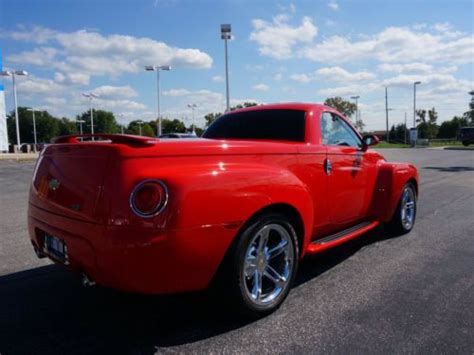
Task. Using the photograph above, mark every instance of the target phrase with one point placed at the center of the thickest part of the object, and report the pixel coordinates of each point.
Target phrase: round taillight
(149, 198)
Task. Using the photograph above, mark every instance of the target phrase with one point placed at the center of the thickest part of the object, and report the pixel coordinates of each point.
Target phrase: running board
(341, 237)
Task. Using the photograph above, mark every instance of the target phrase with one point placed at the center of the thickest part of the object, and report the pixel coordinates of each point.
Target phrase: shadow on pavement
(450, 169)
(46, 311)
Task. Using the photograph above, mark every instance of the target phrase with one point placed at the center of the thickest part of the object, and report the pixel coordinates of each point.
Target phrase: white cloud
(72, 78)
(218, 79)
(92, 53)
(261, 87)
(333, 74)
(278, 76)
(206, 101)
(406, 68)
(302, 78)
(278, 38)
(342, 75)
(333, 5)
(108, 91)
(394, 44)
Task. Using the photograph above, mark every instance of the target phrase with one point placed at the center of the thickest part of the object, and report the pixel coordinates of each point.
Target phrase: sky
(281, 51)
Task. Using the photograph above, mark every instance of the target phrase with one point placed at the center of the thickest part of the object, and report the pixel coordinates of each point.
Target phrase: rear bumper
(136, 259)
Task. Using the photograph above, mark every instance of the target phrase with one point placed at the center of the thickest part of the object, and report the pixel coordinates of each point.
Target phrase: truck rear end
(74, 187)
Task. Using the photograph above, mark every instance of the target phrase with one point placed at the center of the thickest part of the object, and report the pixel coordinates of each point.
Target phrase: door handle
(327, 167)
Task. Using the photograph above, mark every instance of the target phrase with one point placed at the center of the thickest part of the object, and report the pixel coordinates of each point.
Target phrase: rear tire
(404, 217)
(465, 143)
(263, 265)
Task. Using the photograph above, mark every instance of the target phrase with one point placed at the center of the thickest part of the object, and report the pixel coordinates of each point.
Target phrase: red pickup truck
(264, 187)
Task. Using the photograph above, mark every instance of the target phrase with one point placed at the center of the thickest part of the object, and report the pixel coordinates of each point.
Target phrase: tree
(211, 117)
(47, 126)
(172, 126)
(104, 121)
(360, 125)
(469, 115)
(401, 132)
(347, 108)
(244, 105)
(450, 129)
(146, 129)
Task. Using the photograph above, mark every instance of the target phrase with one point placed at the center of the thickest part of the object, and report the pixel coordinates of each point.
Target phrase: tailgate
(68, 180)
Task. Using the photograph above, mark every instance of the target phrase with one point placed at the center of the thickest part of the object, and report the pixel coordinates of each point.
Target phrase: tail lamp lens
(149, 198)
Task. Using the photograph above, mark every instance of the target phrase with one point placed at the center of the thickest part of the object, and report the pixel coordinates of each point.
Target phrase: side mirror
(369, 140)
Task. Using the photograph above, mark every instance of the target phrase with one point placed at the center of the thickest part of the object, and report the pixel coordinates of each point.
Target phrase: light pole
(192, 107)
(91, 96)
(32, 110)
(157, 68)
(140, 127)
(414, 102)
(414, 108)
(13, 74)
(121, 122)
(356, 98)
(226, 35)
(80, 125)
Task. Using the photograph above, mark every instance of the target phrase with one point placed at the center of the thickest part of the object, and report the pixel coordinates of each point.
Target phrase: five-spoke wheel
(264, 263)
(404, 217)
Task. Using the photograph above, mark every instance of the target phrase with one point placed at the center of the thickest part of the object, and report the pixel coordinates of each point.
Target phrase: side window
(335, 131)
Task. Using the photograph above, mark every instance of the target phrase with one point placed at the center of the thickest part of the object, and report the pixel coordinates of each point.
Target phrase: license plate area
(56, 248)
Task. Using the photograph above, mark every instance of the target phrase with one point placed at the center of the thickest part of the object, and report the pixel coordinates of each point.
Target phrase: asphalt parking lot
(411, 294)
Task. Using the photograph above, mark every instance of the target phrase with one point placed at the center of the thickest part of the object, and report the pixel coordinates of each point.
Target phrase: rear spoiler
(113, 138)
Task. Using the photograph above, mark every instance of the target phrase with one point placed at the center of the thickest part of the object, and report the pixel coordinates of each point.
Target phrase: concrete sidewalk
(19, 156)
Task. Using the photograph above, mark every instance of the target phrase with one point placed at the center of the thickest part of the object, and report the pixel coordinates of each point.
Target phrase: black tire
(398, 225)
(465, 143)
(237, 282)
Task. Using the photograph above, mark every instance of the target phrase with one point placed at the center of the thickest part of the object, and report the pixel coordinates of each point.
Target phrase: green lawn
(391, 145)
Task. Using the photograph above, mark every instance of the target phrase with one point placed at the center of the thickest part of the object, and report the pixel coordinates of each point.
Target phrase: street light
(32, 110)
(121, 122)
(91, 96)
(356, 98)
(140, 127)
(157, 68)
(13, 74)
(226, 35)
(414, 102)
(80, 125)
(192, 107)
(414, 108)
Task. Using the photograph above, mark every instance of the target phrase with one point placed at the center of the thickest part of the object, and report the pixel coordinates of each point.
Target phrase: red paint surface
(215, 186)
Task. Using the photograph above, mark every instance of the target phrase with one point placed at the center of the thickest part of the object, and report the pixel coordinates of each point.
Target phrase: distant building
(3, 117)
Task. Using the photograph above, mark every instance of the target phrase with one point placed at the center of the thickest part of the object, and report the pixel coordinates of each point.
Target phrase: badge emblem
(54, 184)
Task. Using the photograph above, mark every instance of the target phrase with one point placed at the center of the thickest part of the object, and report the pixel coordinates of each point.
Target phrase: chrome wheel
(408, 208)
(268, 264)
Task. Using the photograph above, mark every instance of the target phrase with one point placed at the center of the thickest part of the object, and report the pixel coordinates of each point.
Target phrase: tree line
(48, 126)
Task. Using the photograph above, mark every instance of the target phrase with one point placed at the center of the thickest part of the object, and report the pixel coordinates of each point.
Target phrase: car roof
(303, 106)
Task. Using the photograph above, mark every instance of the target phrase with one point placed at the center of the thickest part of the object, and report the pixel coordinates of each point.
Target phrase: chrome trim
(158, 208)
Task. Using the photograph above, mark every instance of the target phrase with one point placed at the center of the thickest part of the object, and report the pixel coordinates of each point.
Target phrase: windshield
(284, 125)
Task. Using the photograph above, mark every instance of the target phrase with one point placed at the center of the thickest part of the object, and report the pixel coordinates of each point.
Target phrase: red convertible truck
(266, 186)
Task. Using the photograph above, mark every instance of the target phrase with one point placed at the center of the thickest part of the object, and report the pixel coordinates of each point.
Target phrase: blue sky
(282, 51)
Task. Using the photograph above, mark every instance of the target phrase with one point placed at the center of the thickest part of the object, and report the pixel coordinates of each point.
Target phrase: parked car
(240, 208)
(178, 135)
(466, 135)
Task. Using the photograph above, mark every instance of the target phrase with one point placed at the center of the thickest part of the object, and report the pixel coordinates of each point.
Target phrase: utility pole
(226, 35)
(405, 135)
(386, 115)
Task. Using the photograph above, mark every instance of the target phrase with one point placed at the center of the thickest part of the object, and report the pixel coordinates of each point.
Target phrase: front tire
(264, 264)
(404, 218)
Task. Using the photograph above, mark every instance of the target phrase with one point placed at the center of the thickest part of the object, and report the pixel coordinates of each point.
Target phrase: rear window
(284, 125)
(469, 130)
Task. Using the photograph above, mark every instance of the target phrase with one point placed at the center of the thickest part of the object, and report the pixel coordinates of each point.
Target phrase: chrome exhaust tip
(86, 281)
